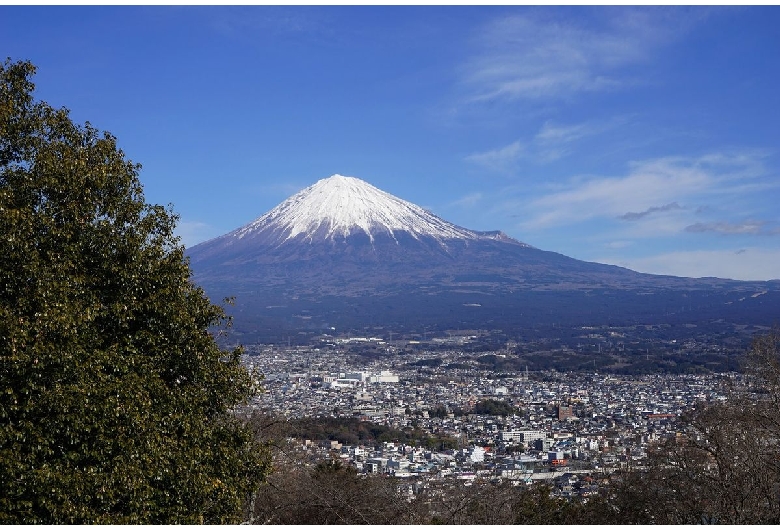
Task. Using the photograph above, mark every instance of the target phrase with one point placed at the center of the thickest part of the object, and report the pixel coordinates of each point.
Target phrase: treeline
(492, 407)
(354, 431)
(623, 363)
(331, 493)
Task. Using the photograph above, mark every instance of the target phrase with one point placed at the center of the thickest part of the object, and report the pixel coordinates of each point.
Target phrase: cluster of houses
(417, 467)
(563, 426)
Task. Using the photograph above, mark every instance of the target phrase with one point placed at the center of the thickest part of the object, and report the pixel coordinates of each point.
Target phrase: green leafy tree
(494, 407)
(115, 400)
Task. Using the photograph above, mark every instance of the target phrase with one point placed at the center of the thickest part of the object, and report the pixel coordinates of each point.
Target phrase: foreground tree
(723, 466)
(115, 399)
(327, 492)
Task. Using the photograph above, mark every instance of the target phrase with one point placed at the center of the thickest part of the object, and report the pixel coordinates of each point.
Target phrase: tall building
(565, 411)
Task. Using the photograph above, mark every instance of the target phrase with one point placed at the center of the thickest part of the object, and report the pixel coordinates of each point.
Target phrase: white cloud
(550, 143)
(502, 160)
(645, 187)
(652, 186)
(740, 264)
(468, 200)
(531, 57)
(553, 142)
(550, 133)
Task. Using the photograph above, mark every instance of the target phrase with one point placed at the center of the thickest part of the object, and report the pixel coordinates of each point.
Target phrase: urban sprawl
(565, 428)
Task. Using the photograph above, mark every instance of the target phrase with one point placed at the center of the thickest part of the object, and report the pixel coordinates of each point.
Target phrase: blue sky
(642, 137)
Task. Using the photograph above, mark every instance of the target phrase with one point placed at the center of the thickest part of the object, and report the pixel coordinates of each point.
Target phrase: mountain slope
(342, 245)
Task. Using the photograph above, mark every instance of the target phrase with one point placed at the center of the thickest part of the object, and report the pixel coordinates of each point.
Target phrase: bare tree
(724, 464)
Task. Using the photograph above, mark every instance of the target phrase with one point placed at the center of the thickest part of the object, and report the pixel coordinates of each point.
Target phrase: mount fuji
(342, 253)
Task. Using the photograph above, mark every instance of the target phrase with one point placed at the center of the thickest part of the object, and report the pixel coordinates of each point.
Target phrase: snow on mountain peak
(341, 206)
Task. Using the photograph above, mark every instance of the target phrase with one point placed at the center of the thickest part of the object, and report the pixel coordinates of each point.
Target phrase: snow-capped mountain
(347, 217)
(340, 206)
(342, 251)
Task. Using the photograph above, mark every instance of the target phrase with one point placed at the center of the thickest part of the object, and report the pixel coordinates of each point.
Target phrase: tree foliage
(328, 493)
(494, 407)
(115, 399)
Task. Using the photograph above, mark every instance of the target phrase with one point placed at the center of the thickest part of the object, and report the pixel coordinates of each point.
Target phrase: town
(557, 427)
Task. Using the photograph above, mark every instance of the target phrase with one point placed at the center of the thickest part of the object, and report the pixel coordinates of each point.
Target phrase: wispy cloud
(633, 216)
(663, 181)
(618, 244)
(552, 142)
(502, 160)
(468, 200)
(552, 134)
(243, 21)
(752, 227)
(639, 191)
(532, 57)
